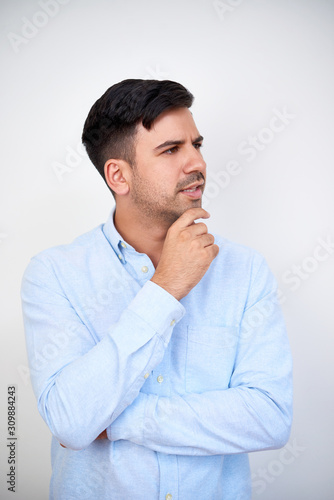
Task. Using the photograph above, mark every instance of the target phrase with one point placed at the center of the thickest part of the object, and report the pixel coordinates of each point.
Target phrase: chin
(196, 203)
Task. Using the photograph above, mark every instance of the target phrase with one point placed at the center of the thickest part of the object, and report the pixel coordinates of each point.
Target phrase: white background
(242, 60)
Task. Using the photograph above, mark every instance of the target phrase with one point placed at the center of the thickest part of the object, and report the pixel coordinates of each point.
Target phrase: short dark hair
(110, 127)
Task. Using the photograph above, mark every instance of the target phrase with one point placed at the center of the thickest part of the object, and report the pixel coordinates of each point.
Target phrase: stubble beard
(160, 209)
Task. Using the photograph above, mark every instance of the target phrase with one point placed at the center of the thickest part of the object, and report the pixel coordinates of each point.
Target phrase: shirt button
(169, 496)
(120, 256)
(144, 269)
(146, 375)
(160, 379)
(123, 244)
(172, 323)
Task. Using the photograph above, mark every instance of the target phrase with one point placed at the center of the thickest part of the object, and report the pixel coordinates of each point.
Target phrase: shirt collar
(138, 265)
(114, 238)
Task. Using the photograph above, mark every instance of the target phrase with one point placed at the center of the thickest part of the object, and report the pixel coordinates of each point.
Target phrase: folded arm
(83, 384)
(254, 413)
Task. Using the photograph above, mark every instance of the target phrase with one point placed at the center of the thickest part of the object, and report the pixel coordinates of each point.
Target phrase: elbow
(287, 430)
(68, 436)
(68, 431)
(282, 437)
(73, 442)
(281, 430)
(71, 438)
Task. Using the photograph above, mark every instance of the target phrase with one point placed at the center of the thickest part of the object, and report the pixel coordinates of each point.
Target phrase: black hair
(110, 127)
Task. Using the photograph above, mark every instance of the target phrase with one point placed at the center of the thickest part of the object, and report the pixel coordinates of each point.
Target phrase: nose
(194, 161)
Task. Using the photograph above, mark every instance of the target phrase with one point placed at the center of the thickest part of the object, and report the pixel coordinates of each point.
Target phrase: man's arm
(254, 413)
(103, 435)
(82, 384)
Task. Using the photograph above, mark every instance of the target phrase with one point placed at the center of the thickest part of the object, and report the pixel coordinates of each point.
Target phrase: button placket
(168, 466)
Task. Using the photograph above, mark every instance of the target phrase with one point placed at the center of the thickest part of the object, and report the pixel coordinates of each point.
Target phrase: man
(158, 352)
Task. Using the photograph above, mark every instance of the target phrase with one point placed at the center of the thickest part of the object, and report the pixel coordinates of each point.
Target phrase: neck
(145, 236)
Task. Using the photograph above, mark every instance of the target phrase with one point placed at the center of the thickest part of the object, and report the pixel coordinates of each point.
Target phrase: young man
(158, 353)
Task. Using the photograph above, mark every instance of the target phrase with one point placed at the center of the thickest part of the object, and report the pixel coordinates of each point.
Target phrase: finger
(207, 240)
(198, 228)
(190, 215)
(215, 250)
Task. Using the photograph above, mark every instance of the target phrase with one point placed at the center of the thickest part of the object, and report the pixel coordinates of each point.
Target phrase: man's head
(111, 125)
(143, 140)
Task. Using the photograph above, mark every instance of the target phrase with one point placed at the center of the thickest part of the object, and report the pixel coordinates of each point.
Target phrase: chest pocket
(210, 357)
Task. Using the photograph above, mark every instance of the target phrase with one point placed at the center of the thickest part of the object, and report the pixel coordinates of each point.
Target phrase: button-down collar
(137, 264)
(114, 238)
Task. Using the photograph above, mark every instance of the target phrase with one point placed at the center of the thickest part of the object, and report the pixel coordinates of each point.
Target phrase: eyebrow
(176, 143)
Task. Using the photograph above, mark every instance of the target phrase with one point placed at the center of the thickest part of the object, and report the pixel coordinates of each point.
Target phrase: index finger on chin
(190, 215)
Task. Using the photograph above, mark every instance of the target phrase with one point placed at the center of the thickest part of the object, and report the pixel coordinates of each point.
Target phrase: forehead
(175, 124)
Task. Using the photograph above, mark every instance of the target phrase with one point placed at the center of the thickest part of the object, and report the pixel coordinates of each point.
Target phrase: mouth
(195, 190)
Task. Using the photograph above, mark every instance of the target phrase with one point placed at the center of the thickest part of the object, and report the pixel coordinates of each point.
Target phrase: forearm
(236, 420)
(85, 387)
(254, 413)
(89, 393)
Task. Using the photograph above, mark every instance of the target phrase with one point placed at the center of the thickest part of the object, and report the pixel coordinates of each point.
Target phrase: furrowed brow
(168, 143)
(176, 143)
(200, 138)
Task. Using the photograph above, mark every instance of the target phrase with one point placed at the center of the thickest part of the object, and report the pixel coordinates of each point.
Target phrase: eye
(198, 145)
(172, 150)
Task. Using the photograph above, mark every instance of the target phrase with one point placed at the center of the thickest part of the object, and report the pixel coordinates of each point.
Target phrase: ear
(117, 174)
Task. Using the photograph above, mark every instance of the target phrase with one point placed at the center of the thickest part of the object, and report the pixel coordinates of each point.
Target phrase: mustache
(195, 177)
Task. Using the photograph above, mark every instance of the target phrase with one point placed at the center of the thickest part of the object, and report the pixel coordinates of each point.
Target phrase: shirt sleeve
(253, 413)
(83, 385)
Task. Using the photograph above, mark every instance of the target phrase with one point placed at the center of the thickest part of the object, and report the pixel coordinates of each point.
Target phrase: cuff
(158, 308)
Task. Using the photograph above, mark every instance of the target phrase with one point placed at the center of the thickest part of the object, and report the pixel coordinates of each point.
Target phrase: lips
(193, 191)
(192, 187)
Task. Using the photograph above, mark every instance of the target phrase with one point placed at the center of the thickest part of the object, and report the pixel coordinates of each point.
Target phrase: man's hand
(186, 255)
(103, 435)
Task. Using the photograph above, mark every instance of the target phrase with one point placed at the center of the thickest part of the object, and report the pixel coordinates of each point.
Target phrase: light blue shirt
(185, 388)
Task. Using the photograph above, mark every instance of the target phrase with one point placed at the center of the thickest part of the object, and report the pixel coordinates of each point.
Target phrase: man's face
(169, 174)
